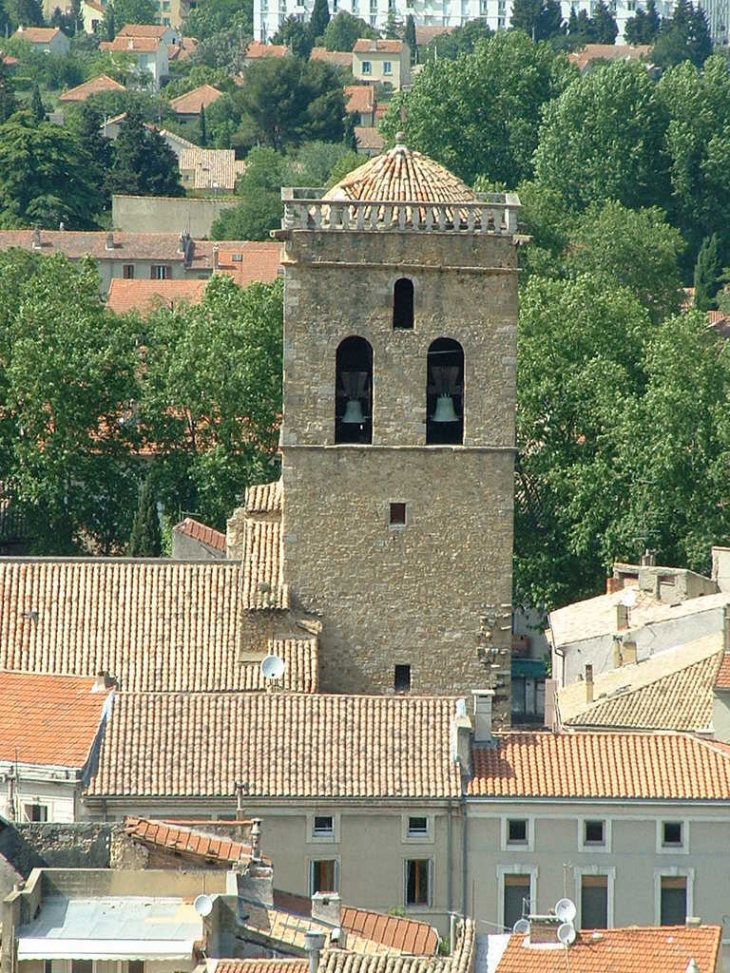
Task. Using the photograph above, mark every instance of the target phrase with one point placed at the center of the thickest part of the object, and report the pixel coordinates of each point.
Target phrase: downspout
(449, 858)
(464, 857)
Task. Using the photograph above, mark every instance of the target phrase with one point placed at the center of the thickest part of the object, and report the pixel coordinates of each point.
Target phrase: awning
(104, 949)
(528, 668)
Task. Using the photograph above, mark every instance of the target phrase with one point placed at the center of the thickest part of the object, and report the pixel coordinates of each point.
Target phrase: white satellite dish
(521, 926)
(272, 667)
(203, 905)
(628, 598)
(566, 933)
(565, 910)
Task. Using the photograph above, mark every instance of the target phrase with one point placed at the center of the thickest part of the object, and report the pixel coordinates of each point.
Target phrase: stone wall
(164, 214)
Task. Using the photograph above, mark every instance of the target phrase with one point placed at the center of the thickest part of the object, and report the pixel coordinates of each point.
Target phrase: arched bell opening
(445, 393)
(354, 391)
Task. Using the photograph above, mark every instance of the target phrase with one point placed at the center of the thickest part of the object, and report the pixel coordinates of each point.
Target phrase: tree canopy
(143, 164)
(343, 30)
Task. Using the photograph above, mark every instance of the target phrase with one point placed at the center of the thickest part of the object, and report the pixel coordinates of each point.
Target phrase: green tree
(480, 114)
(212, 397)
(211, 17)
(391, 30)
(143, 164)
(134, 12)
(44, 176)
(603, 138)
(606, 27)
(287, 101)
(708, 274)
(252, 219)
(223, 51)
(343, 30)
(146, 537)
(86, 122)
(539, 19)
(644, 27)
(409, 37)
(25, 13)
(109, 24)
(685, 37)
(296, 35)
(8, 101)
(319, 19)
(37, 108)
(461, 40)
(203, 127)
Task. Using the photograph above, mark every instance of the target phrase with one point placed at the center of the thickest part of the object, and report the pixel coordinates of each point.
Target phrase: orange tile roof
(183, 50)
(282, 964)
(143, 30)
(404, 935)
(259, 262)
(461, 959)
(608, 52)
(366, 46)
(48, 719)
(83, 91)
(135, 45)
(584, 764)
(369, 138)
(161, 834)
(192, 101)
(37, 35)
(256, 50)
(197, 745)
(360, 98)
(8, 60)
(722, 680)
(157, 625)
(127, 246)
(145, 296)
(341, 59)
(424, 35)
(94, 6)
(210, 168)
(651, 949)
(263, 566)
(201, 532)
(264, 498)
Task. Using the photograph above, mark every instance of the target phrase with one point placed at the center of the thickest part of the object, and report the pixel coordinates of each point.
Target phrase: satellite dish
(628, 598)
(203, 905)
(272, 667)
(566, 933)
(565, 910)
(521, 926)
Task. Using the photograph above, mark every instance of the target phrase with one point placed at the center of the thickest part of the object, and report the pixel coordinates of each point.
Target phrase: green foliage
(250, 220)
(146, 538)
(644, 27)
(133, 12)
(319, 19)
(46, 176)
(143, 164)
(685, 37)
(287, 101)
(708, 273)
(296, 35)
(37, 108)
(479, 114)
(461, 40)
(223, 51)
(603, 139)
(8, 101)
(605, 24)
(212, 396)
(28, 13)
(343, 30)
(409, 36)
(194, 77)
(211, 17)
(539, 19)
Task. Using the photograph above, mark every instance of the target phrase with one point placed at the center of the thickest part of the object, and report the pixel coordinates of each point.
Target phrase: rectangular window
(402, 681)
(128, 271)
(367, 67)
(673, 906)
(35, 812)
(398, 515)
(161, 272)
(323, 827)
(323, 875)
(417, 827)
(418, 881)
(516, 899)
(517, 831)
(594, 834)
(387, 67)
(672, 834)
(594, 902)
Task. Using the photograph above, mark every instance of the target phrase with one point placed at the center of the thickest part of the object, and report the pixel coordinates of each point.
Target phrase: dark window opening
(354, 392)
(517, 830)
(516, 899)
(418, 891)
(323, 876)
(135, 966)
(403, 303)
(417, 827)
(673, 908)
(402, 679)
(323, 825)
(397, 515)
(82, 966)
(594, 833)
(671, 833)
(594, 902)
(36, 812)
(445, 393)
(161, 272)
(128, 271)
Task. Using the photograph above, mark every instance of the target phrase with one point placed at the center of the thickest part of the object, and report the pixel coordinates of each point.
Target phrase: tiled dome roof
(401, 175)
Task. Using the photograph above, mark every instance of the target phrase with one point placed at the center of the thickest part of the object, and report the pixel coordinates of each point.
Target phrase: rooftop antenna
(203, 905)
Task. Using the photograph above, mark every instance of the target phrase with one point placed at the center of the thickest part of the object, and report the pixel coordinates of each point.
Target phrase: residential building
(162, 32)
(146, 296)
(192, 540)
(248, 262)
(150, 54)
(255, 51)
(50, 40)
(93, 87)
(369, 140)
(187, 107)
(587, 57)
(382, 61)
(338, 59)
(360, 102)
(182, 50)
(92, 16)
(50, 731)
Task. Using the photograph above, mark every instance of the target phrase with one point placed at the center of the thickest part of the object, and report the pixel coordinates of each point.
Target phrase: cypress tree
(319, 19)
(707, 274)
(409, 36)
(37, 108)
(203, 127)
(146, 538)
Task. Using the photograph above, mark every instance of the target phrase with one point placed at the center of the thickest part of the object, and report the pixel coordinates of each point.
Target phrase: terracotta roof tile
(258, 262)
(722, 680)
(341, 59)
(263, 583)
(364, 45)
(37, 35)
(282, 964)
(182, 50)
(265, 498)
(424, 35)
(127, 246)
(198, 745)
(360, 98)
(211, 168)
(655, 949)
(131, 44)
(201, 532)
(83, 91)
(143, 30)
(146, 296)
(48, 719)
(667, 766)
(460, 961)
(192, 842)
(257, 50)
(369, 138)
(395, 932)
(608, 52)
(192, 101)
(154, 625)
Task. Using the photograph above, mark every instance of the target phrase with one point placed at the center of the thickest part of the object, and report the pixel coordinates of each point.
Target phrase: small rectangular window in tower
(517, 831)
(402, 297)
(398, 514)
(402, 683)
(672, 834)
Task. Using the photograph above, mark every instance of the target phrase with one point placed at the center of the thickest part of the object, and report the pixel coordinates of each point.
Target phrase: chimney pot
(313, 944)
(483, 700)
(326, 908)
(622, 617)
(36, 239)
(109, 245)
(589, 684)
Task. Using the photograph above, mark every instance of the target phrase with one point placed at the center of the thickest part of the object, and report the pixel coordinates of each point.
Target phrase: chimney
(648, 558)
(551, 710)
(181, 242)
(613, 584)
(130, 43)
(483, 715)
(109, 245)
(543, 930)
(326, 908)
(628, 653)
(256, 839)
(461, 738)
(313, 943)
(589, 684)
(103, 682)
(216, 253)
(36, 238)
(622, 617)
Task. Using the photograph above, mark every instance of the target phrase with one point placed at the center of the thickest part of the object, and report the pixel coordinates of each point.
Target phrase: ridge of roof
(202, 532)
(191, 841)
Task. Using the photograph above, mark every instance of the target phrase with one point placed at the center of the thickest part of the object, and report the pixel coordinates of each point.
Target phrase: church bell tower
(398, 434)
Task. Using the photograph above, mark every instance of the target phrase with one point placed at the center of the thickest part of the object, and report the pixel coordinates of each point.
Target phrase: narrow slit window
(397, 514)
(403, 304)
(402, 681)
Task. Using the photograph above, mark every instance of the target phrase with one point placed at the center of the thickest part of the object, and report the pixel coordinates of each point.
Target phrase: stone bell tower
(398, 430)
